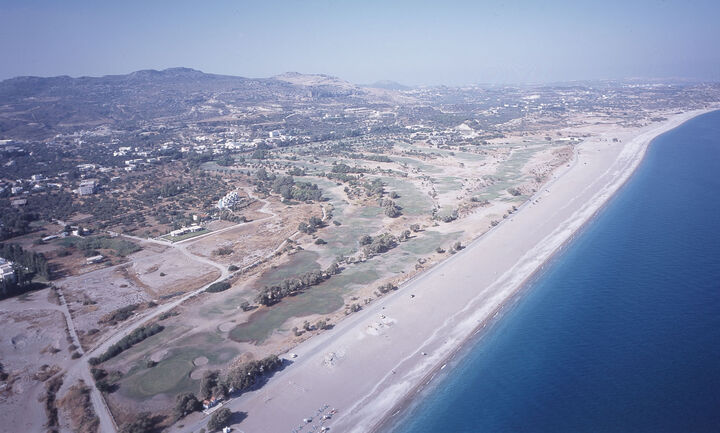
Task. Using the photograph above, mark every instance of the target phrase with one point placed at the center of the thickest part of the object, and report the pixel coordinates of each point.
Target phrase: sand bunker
(197, 374)
(158, 356)
(200, 360)
(226, 327)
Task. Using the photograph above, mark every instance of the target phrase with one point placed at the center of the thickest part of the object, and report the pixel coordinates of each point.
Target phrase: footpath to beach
(376, 359)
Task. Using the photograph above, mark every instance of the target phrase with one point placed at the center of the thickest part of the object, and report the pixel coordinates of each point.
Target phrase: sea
(621, 330)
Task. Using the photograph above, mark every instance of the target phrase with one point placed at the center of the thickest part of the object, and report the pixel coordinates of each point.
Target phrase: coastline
(385, 355)
(394, 417)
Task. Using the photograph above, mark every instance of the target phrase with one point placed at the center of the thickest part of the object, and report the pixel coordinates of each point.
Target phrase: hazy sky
(413, 42)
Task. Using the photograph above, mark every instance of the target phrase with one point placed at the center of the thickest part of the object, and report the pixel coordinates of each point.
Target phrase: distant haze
(411, 42)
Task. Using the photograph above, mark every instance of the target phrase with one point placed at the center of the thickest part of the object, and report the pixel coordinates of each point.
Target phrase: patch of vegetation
(223, 251)
(390, 208)
(377, 158)
(374, 188)
(291, 190)
(119, 315)
(385, 288)
(514, 192)
(82, 415)
(452, 216)
(379, 244)
(168, 314)
(313, 224)
(344, 168)
(121, 247)
(51, 389)
(143, 423)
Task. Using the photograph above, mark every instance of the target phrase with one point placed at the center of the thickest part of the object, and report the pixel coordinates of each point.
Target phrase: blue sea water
(621, 333)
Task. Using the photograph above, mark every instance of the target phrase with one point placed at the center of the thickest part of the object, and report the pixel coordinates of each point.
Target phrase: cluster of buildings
(231, 199)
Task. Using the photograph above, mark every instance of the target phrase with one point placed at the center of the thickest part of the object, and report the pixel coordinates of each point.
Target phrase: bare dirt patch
(33, 346)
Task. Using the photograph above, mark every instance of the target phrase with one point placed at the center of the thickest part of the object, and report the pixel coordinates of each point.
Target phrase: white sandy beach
(375, 359)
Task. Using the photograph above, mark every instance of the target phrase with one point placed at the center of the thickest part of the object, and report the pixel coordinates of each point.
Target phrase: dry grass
(79, 410)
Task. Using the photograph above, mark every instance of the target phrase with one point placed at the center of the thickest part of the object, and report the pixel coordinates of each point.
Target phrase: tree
(333, 269)
(186, 403)
(208, 383)
(219, 419)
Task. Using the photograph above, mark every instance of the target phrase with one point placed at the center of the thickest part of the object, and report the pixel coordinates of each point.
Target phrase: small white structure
(94, 259)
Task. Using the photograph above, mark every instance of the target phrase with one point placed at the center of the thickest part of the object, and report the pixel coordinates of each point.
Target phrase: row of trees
(35, 263)
(220, 286)
(290, 286)
(27, 264)
(127, 342)
(376, 158)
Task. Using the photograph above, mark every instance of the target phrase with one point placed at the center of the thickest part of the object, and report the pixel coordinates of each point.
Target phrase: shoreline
(394, 417)
(374, 363)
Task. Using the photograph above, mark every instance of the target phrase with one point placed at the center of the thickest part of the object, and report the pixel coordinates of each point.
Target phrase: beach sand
(376, 359)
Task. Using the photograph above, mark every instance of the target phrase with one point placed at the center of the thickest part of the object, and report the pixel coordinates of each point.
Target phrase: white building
(87, 187)
(230, 200)
(184, 230)
(7, 273)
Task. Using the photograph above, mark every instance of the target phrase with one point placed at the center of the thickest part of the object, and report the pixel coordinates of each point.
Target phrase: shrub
(220, 286)
(219, 419)
(223, 251)
(127, 342)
